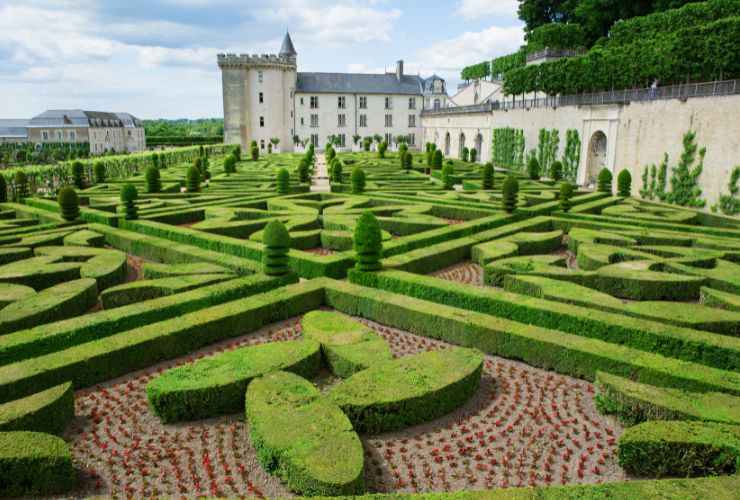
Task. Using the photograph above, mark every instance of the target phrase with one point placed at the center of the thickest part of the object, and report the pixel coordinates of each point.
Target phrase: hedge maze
(196, 322)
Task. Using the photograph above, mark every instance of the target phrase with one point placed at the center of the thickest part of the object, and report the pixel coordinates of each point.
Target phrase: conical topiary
(276, 241)
(21, 185)
(408, 161)
(205, 174)
(510, 193)
(153, 182)
(3, 189)
(283, 181)
(69, 204)
(230, 164)
(99, 171)
(129, 195)
(488, 176)
(358, 180)
(604, 183)
(368, 243)
(533, 169)
(192, 181)
(78, 175)
(624, 183)
(437, 160)
(155, 160)
(566, 193)
(447, 177)
(473, 155)
(237, 152)
(336, 172)
(304, 171)
(556, 171)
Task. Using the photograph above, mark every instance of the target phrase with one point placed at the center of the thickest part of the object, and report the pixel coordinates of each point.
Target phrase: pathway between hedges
(320, 181)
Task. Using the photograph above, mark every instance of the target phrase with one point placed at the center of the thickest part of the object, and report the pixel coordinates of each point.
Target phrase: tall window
(342, 140)
(388, 138)
(341, 102)
(314, 121)
(260, 76)
(388, 120)
(388, 103)
(262, 144)
(262, 97)
(412, 102)
(302, 123)
(412, 121)
(314, 102)
(315, 140)
(363, 102)
(363, 120)
(72, 135)
(412, 139)
(60, 136)
(436, 104)
(45, 135)
(301, 101)
(341, 120)
(262, 121)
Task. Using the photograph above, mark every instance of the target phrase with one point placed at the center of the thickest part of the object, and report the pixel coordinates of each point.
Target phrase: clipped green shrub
(99, 170)
(153, 182)
(382, 148)
(21, 185)
(565, 195)
(556, 170)
(336, 172)
(33, 463)
(230, 164)
(448, 180)
(237, 152)
(78, 175)
(254, 151)
(604, 182)
(46, 411)
(283, 181)
(368, 243)
(437, 159)
(473, 155)
(488, 176)
(69, 204)
(624, 183)
(533, 169)
(358, 180)
(3, 189)
(330, 153)
(510, 193)
(277, 245)
(304, 172)
(129, 195)
(408, 161)
(465, 154)
(192, 180)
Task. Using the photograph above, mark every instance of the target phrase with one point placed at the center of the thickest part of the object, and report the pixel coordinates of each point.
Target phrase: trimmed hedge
(139, 291)
(302, 437)
(10, 293)
(216, 385)
(46, 411)
(33, 463)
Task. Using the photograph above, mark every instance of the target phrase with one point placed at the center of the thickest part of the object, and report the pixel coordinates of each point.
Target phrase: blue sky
(157, 58)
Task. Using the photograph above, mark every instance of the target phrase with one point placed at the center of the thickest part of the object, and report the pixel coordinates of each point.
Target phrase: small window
(262, 98)
(341, 120)
(412, 139)
(301, 101)
(412, 102)
(342, 140)
(45, 135)
(315, 140)
(314, 102)
(341, 102)
(71, 136)
(60, 136)
(262, 144)
(388, 138)
(436, 104)
(363, 120)
(260, 77)
(388, 120)
(262, 121)
(302, 123)
(363, 102)
(412, 121)
(388, 103)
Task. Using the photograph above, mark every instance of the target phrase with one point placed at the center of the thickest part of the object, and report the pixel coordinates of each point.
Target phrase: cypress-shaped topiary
(69, 204)
(408, 161)
(447, 176)
(155, 160)
(465, 154)
(368, 243)
(330, 153)
(99, 171)
(254, 151)
(237, 152)
(129, 194)
(276, 241)
(283, 181)
(230, 164)
(624, 183)
(437, 159)
(21, 185)
(604, 183)
(556, 171)
(510, 193)
(358, 180)
(566, 193)
(304, 171)
(473, 155)
(78, 175)
(3, 189)
(488, 176)
(153, 182)
(192, 180)
(533, 169)
(382, 148)
(402, 150)
(336, 172)
(205, 163)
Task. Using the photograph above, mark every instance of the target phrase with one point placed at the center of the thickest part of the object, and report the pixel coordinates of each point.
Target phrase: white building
(265, 97)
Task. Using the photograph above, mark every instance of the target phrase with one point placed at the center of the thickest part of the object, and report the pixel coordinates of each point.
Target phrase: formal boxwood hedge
(719, 299)
(302, 437)
(216, 385)
(139, 291)
(34, 463)
(47, 411)
(680, 448)
(155, 270)
(10, 293)
(85, 238)
(107, 267)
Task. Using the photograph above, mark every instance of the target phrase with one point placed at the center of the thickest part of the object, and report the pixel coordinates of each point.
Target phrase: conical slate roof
(287, 48)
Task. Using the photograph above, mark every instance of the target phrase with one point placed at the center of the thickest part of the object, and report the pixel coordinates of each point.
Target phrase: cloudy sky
(157, 58)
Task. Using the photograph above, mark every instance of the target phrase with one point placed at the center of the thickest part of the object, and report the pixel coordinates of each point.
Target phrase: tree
(3, 189)
(685, 190)
(283, 181)
(488, 176)
(556, 171)
(604, 181)
(276, 241)
(330, 153)
(78, 175)
(99, 170)
(408, 161)
(358, 180)
(510, 193)
(303, 171)
(437, 160)
(368, 243)
(21, 186)
(155, 160)
(729, 204)
(624, 183)
(153, 182)
(402, 150)
(192, 180)
(473, 155)
(465, 154)
(447, 176)
(336, 171)
(566, 193)
(533, 169)
(69, 204)
(129, 194)
(382, 148)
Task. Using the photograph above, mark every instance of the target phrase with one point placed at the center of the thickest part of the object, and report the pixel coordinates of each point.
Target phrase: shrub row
(46, 411)
(142, 290)
(33, 463)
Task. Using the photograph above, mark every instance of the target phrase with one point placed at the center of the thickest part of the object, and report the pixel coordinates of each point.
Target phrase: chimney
(399, 69)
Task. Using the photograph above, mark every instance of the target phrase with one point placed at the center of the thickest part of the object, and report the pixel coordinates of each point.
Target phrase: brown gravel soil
(321, 251)
(524, 427)
(454, 222)
(135, 265)
(465, 272)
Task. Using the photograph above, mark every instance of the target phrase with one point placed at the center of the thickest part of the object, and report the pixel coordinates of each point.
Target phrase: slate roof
(14, 129)
(358, 83)
(287, 48)
(78, 118)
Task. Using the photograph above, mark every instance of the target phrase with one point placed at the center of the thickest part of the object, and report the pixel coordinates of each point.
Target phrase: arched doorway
(479, 147)
(447, 144)
(596, 156)
(462, 146)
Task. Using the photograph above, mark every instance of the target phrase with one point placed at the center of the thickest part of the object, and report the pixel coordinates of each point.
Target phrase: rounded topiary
(78, 175)
(624, 183)
(304, 171)
(604, 183)
(69, 204)
(437, 159)
(153, 182)
(533, 169)
(21, 185)
(408, 161)
(488, 176)
(358, 180)
(230, 164)
(336, 172)
(382, 148)
(99, 171)
(510, 193)
(566, 193)
(283, 181)
(237, 152)
(447, 176)
(473, 155)
(129, 195)
(368, 243)
(192, 180)
(277, 245)
(556, 170)
(3, 189)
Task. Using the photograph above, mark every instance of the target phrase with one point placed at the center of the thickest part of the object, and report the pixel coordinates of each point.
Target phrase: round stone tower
(258, 97)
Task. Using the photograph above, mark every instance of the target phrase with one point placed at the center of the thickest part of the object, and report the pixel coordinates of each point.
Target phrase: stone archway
(447, 144)
(479, 147)
(462, 146)
(597, 148)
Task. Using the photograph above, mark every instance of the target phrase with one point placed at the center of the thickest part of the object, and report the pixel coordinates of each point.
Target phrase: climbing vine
(508, 148)
(547, 149)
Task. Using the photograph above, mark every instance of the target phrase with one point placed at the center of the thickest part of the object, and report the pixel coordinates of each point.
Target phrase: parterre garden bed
(533, 350)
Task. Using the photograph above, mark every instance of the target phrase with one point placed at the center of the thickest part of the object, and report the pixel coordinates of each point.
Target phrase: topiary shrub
(402, 150)
(78, 175)
(283, 181)
(473, 155)
(153, 183)
(276, 240)
(488, 176)
(192, 181)
(465, 154)
(69, 204)
(3, 189)
(510, 193)
(304, 171)
(604, 182)
(254, 151)
(336, 172)
(205, 174)
(566, 193)
(366, 144)
(358, 180)
(155, 160)
(437, 160)
(330, 153)
(382, 148)
(129, 195)
(368, 243)
(237, 152)
(230, 164)
(99, 171)
(447, 176)
(556, 171)
(21, 186)
(533, 169)
(624, 183)
(408, 161)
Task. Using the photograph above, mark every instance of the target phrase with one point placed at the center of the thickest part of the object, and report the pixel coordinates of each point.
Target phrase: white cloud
(476, 9)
